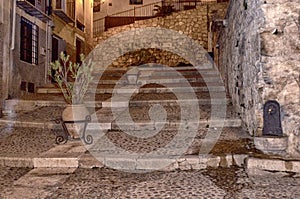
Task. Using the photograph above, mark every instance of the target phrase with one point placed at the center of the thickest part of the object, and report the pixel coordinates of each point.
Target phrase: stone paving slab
(256, 166)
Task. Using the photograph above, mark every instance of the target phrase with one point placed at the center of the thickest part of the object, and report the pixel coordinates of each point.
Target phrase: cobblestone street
(106, 184)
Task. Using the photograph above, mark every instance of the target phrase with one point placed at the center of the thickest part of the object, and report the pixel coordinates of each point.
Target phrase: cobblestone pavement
(41, 114)
(107, 184)
(231, 141)
(25, 142)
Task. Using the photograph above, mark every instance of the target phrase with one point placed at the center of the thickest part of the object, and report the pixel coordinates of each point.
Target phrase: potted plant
(73, 80)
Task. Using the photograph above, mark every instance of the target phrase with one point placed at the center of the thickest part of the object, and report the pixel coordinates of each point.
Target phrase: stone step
(150, 88)
(158, 73)
(16, 105)
(61, 156)
(113, 70)
(202, 98)
(164, 80)
(253, 165)
(172, 73)
(111, 125)
(228, 122)
(120, 103)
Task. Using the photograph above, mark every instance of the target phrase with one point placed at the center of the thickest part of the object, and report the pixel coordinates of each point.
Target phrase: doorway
(79, 49)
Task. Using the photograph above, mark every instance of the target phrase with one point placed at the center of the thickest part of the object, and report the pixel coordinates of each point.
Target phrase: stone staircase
(146, 113)
(140, 112)
(130, 124)
(156, 86)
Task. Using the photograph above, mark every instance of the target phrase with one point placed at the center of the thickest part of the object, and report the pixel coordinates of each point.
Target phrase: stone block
(208, 161)
(55, 162)
(16, 162)
(239, 159)
(166, 164)
(88, 161)
(265, 164)
(121, 163)
(273, 145)
(260, 166)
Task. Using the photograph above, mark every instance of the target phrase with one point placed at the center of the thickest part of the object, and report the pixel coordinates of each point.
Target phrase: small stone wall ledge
(271, 144)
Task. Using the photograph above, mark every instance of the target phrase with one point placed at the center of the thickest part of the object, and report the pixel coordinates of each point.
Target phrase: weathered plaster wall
(259, 57)
(193, 23)
(23, 71)
(1, 63)
(6, 49)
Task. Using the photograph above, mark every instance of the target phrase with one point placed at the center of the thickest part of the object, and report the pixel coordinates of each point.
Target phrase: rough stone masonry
(193, 23)
(259, 55)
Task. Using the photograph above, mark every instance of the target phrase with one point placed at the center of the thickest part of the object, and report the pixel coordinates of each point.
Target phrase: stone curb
(258, 166)
(88, 161)
(253, 166)
(16, 162)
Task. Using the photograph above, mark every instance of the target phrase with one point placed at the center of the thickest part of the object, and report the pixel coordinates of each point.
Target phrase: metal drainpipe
(49, 26)
(48, 50)
(13, 27)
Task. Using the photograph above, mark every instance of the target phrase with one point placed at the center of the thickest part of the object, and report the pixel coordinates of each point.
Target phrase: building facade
(73, 27)
(33, 33)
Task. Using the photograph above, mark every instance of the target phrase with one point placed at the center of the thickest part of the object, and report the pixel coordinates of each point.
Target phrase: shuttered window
(29, 42)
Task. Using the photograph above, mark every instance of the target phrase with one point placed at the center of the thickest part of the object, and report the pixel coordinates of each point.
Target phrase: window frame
(29, 45)
(136, 2)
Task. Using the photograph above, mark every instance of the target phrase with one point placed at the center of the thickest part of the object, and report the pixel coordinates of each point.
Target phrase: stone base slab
(271, 145)
(258, 166)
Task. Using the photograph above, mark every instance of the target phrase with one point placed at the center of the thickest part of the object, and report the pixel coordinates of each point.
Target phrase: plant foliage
(72, 78)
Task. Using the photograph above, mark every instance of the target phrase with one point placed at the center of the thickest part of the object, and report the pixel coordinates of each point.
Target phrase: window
(80, 26)
(32, 2)
(29, 42)
(134, 2)
(97, 6)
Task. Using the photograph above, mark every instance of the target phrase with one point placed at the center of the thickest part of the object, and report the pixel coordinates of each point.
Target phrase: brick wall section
(259, 58)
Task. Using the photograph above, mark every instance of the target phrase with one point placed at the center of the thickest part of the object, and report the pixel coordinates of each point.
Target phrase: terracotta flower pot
(75, 112)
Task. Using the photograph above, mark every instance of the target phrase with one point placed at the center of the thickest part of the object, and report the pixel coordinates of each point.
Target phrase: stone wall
(258, 55)
(193, 23)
